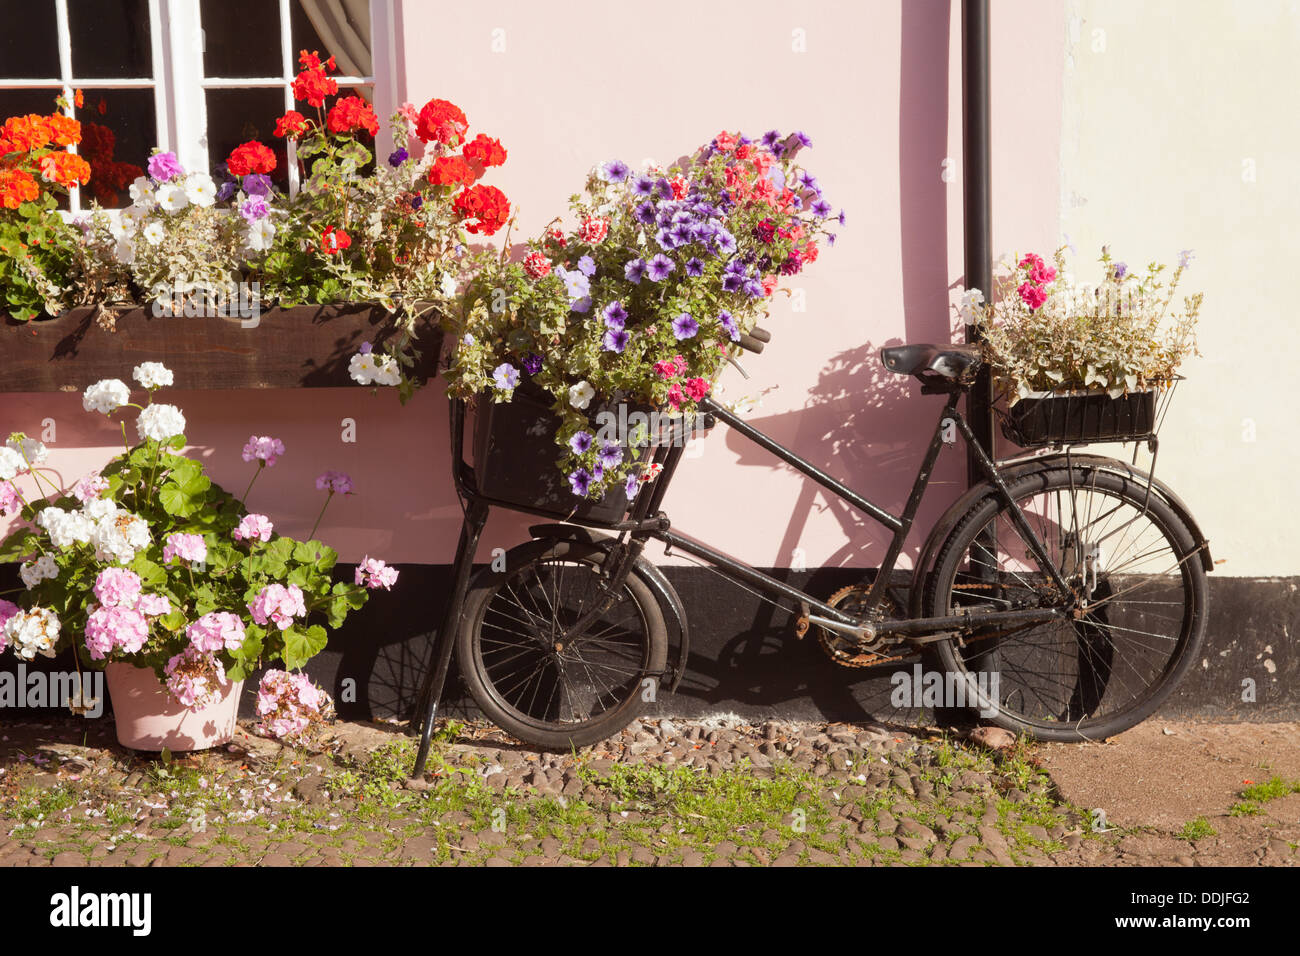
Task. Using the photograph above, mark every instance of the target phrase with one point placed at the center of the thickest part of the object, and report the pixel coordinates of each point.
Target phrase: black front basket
(1080, 417)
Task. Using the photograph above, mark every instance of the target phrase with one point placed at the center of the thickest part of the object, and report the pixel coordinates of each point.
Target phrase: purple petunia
(631, 486)
(532, 363)
(616, 340)
(645, 213)
(685, 326)
(225, 190)
(506, 376)
(615, 315)
(254, 209)
(615, 171)
(634, 271)
(397, 157)
(659, 268)
(580, 481)
(694, 267)
(729, 325)
(164, 167)
(587, 266)
(610, 454)
(257, 184)
(643, 186)
(1121, 270)
(821, 209)
(580, 442)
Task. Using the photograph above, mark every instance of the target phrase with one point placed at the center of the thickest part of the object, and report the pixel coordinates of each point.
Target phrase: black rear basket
(1079, 417)
(515, 457)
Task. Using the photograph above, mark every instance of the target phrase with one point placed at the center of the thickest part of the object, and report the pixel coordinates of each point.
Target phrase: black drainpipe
(977, 200)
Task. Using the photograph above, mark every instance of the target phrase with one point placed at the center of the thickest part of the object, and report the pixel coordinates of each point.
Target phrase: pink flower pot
(149, 718)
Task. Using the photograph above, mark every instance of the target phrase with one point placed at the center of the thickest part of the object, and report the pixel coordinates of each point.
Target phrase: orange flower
(26, 133)
(78, 99)
(64, 130)
(64, 168)
(17, 187)
(334, 240)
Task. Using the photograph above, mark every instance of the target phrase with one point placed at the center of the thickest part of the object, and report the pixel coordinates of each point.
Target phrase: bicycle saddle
(959, 362)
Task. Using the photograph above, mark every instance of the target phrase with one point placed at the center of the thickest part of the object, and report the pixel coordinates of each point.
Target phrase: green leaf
(301, 645)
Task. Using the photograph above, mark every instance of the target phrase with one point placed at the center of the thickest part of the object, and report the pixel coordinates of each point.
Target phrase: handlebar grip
(763, 335)
(750, 343)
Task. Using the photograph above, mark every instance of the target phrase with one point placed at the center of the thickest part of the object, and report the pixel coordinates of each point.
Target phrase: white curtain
(344, 28)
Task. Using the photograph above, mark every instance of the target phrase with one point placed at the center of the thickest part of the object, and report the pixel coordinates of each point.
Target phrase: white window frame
(179, 84)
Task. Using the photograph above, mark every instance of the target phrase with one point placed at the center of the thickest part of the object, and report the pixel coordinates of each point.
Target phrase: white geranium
(34, 572)
(105, 396)
(200, 189)
(580, 395)
(154, 233)
(171, 197)
(11, 464)
(362, 368)
(33, 632)
(96, 509)
(34, 451)
(65, 528)
(152, 375)
(160, 422)
(117, 537)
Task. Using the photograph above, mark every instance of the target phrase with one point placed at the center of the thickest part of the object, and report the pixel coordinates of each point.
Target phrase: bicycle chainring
(841, 648)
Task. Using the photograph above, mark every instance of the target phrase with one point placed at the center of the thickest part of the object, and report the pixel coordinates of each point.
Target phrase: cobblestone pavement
(717, 792)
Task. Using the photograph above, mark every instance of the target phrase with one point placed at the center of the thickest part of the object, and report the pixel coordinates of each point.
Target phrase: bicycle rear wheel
(1138, 604)
(524, 672)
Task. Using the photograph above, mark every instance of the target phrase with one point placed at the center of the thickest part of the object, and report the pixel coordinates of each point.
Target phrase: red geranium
(251, 157)
(334, 240)
(487, 204)
(352, 112)
(312, 85)
(291, 123)
(441, 121)
(450, 170)
(485, 151)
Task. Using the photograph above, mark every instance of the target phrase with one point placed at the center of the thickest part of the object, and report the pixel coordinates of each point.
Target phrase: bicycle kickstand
(431, 692)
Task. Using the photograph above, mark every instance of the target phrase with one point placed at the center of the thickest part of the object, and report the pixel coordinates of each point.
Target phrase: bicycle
(1078, 580)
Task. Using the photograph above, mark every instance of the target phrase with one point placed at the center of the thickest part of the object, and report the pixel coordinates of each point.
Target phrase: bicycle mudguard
(945, 525)
(655, 579)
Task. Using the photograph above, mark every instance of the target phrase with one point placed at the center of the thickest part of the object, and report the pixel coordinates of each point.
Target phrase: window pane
(110, 39)
(237, 116)
(241, 38)
(29, 42)
(118, 132)
(22, 102)
(339, 29)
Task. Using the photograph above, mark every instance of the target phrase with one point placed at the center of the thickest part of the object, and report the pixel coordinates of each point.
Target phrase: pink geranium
(335, 482)
(195, 678)
(187, 547)
(253, 528)
(117, 587)
(216, 631)
(115, 628)
(151, 605)
(7, 610)
(288, 704)
(263, 448)
(9, 500)
(278, 605)
(89, 487)
(375, 574)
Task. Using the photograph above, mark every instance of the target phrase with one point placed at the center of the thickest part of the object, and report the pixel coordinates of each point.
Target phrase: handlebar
(754, 340)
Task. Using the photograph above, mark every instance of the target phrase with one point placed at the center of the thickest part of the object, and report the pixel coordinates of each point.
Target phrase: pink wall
(877, 90)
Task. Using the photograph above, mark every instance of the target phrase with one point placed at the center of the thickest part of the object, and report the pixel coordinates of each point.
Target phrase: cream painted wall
(1179, 131)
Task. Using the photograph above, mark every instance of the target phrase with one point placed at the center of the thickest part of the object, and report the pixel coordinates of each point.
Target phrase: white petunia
(124, 251)
(260, 235)
(448, 286)
(580, 395)
(387, 371)
(200, 189)
(142, 190)
(152, 375)
(11, 463)
(32, 450)
(34, 572)
(172, 197)
(105, 395)
(33, 632)
(160, 422)
(362, 368)
(154, 233)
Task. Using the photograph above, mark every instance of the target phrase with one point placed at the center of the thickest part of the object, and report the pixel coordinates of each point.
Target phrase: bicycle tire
(488, 661)
(1038, 704)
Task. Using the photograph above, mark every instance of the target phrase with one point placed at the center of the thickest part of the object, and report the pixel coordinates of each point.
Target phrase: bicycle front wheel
(1136, 605)
(525, 672)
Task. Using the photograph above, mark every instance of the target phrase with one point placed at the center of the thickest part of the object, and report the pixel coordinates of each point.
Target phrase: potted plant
(149, 568)
(640, 303)
(357, 238)
(1084, 362)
